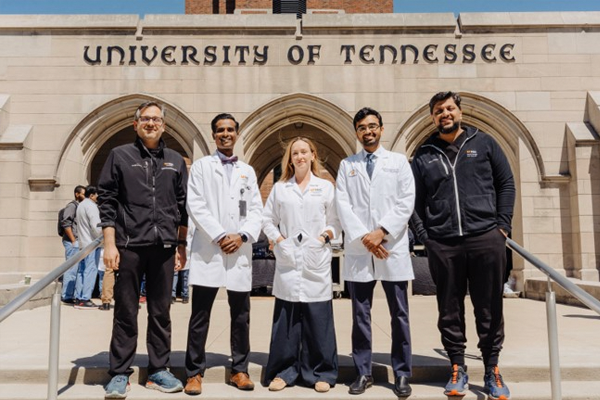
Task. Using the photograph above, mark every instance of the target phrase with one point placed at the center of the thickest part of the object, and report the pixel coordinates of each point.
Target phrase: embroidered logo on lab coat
(352, 173)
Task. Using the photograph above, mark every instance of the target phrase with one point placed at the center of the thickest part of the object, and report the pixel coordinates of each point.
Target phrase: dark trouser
(361, 294)
(477, 263)
(158, 264)
(239, 310)
(303, 343)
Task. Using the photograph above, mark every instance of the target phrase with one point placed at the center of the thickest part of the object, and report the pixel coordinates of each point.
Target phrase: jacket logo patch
(168, 164)
(471, 153)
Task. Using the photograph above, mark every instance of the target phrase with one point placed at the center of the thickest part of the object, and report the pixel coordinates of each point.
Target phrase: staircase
(85, 336)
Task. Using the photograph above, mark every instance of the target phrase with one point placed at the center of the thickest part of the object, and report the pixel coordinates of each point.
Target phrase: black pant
(361, 294)
(239, 310)
(477, 263)
(158, 264)
(303, 346)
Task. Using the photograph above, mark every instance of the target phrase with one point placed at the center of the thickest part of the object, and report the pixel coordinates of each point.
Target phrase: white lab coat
(363, 204)
(303, 268)
(213, 206)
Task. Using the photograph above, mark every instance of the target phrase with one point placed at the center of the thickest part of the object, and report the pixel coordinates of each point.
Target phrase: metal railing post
(555, 380)
(54, 344)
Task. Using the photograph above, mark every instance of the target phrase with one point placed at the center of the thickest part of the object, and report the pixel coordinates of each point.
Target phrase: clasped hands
(374, 241)
(230, 243)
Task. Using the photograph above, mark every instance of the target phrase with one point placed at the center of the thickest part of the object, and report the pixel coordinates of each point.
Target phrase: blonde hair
(287, 168)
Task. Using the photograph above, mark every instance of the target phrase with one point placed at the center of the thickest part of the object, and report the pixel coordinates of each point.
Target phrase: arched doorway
(266, 131)
(513, 137)
(110, 125)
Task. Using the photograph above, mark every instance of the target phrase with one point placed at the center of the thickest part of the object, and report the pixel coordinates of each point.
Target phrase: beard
(450, 129)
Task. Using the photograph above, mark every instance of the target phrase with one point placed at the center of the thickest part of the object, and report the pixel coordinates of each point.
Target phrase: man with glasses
(142, 197)
(375, 199)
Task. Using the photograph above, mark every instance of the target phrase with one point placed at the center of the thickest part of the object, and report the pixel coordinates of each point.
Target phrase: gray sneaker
(118, 387)
(164, 381)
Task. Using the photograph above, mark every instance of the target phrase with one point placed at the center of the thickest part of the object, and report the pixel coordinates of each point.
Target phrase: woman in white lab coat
(300, 218)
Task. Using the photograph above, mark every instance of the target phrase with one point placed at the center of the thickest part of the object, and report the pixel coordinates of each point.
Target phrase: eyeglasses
(156, 120)
(364, 128)
(228, 129)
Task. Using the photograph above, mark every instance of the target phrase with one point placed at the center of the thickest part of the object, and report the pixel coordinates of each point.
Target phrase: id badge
(242, 208)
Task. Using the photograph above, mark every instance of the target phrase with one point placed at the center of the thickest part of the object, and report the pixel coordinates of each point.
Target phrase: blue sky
(178, 6)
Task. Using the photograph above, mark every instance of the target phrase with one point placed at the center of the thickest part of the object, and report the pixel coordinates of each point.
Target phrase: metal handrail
(591, 302)
(576, 291)
(24, 297)
(40, 285)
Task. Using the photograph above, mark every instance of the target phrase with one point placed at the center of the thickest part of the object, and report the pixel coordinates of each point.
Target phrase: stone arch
(482, 113)
(510, 133)
(267, 122)
(108, 119)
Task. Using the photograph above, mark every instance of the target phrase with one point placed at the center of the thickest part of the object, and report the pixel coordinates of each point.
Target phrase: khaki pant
(108, 284)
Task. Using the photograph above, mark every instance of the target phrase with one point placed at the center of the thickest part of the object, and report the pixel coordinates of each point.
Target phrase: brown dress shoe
(193, 385)
(242, 381)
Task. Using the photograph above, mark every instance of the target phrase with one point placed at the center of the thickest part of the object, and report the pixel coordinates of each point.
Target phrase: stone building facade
(69, 86)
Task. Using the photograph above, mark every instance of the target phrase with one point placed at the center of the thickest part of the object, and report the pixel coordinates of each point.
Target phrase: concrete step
(97, 373)
(85, 336)
(220, 391)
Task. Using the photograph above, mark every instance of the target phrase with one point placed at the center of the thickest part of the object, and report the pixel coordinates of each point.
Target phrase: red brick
(349, 6)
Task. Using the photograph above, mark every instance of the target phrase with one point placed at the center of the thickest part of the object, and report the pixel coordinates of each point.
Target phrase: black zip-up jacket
(143, 196)
(471, 196)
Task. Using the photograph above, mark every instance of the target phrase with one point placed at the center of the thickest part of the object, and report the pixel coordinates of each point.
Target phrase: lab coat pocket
(284, 252)
(317, 256)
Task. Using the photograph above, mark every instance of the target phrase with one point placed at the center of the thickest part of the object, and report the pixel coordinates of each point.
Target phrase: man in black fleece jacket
(464, 203)
(142, 201)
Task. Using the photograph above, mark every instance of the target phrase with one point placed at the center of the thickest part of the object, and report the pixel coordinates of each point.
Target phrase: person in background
(184, 273)
(68, 228)
(301, 219)
(375, 197)
(465, 194)
(88, 221)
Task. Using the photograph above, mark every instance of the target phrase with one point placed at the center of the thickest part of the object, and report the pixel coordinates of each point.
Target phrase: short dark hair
(90, 190)
(213, 123)
(364, 112)
(79, 189)
(147, 104)
(443, 96)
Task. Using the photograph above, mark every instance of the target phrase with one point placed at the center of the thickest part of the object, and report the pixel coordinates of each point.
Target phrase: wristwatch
(244, 237)
(326, 237)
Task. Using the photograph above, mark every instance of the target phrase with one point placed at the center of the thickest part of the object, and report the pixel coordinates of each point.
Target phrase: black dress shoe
(361, 384)
(401, 387)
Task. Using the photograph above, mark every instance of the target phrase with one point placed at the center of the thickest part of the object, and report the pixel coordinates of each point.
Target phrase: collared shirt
(228, 166)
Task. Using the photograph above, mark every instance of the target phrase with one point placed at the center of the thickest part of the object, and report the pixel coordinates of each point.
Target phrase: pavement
(85, 336)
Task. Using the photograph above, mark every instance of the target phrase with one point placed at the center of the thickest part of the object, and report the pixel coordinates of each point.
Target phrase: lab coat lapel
(380, 161)
(236, 173)
(217, 167)
(360, 166)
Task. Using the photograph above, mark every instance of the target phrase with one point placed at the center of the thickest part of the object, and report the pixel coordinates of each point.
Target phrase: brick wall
(350, 6)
